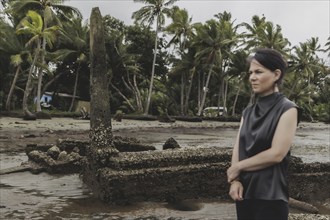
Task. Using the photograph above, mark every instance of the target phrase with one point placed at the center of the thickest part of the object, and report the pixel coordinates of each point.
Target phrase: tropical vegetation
(163, 64)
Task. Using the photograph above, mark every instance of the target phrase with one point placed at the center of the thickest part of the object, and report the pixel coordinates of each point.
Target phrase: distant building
(213, 111)
(61, 101)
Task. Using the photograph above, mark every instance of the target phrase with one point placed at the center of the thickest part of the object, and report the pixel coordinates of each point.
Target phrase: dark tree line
(178, 69)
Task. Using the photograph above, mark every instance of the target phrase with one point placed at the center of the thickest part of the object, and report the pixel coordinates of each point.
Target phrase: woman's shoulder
(287, 103)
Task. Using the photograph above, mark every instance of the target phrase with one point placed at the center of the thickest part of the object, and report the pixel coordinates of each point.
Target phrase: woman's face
(262, 79)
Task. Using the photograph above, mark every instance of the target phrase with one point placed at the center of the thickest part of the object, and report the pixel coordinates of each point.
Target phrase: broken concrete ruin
(140, 173)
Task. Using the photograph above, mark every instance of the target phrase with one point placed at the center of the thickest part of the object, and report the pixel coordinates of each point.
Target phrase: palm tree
(263, 33)
(51, 11)
(212, 44)
(74, 38)
(208, 41)
(237, 69)
(182, 30)
(155, 10)
(10, 44)
(125, 67)
(185, 65)
(228, 31)
(305, 64)
(32, 25)
(327, 49)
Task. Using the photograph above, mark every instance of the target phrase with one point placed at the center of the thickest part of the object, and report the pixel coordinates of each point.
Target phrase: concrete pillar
(100, 114)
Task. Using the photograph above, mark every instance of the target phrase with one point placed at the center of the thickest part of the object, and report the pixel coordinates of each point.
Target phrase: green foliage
(322, 112)
(195, 51)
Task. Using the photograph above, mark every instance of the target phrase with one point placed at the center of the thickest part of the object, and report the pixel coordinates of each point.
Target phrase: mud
(44, 196)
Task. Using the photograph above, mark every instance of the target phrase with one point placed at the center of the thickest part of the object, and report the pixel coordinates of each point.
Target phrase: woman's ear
(278, 74)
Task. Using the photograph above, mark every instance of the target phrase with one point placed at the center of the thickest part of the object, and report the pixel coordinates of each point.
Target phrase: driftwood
(303, 206)
(16, 169)
(26, 166)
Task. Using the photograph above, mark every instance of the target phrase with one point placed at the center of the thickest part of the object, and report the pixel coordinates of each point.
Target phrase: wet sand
(43, 196)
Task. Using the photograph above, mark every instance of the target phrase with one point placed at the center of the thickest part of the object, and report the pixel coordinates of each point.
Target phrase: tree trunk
(182, 94)
(100, 114)
(74, 89)
(188, 92)
(219, 97)
(12, 87)
(205, 88)
(146, 110)
(138, 95)
(123, 96)
(235, 101)
(28, 86)
(40, 71)
(199, 90)
(225, 91)
(50, 82)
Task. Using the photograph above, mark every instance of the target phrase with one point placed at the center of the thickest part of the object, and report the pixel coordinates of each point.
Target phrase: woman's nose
(252, 76)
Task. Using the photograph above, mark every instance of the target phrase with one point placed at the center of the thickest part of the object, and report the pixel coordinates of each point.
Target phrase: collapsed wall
(139, 172)
(187, 174)
(161, 175)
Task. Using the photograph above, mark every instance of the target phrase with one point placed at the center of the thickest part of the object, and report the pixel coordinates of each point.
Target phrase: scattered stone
(171, 143)
(53, 152)
(32, 147)
(63, 156)
(76, 150)
(28, 136)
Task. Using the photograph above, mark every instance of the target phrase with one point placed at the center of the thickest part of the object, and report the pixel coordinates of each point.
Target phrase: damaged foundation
(188, 174)
(141, 173)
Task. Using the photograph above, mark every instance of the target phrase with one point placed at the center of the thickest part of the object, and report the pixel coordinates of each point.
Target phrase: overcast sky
(300, 20)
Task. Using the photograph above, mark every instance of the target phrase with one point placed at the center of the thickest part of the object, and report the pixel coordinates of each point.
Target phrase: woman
(258, 173)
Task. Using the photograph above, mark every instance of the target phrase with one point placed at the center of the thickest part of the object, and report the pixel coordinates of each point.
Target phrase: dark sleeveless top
(256, 135)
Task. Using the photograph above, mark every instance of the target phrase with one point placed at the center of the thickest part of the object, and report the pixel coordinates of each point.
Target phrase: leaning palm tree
(11, 45)
(52, 12)
(155, 10)
(32, 25)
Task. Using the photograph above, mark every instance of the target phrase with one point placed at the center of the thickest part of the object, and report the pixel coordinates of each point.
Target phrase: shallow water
(43, 196)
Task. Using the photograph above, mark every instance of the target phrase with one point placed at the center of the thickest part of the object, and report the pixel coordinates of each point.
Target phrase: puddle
(44, 196)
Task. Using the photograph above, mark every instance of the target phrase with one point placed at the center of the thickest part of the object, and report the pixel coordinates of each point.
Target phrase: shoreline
(59, 123)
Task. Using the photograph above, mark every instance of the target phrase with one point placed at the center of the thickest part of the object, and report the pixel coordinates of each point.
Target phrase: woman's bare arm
(234, 158)
(283, 137)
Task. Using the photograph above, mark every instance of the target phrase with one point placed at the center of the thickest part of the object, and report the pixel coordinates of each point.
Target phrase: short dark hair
(271, 59)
